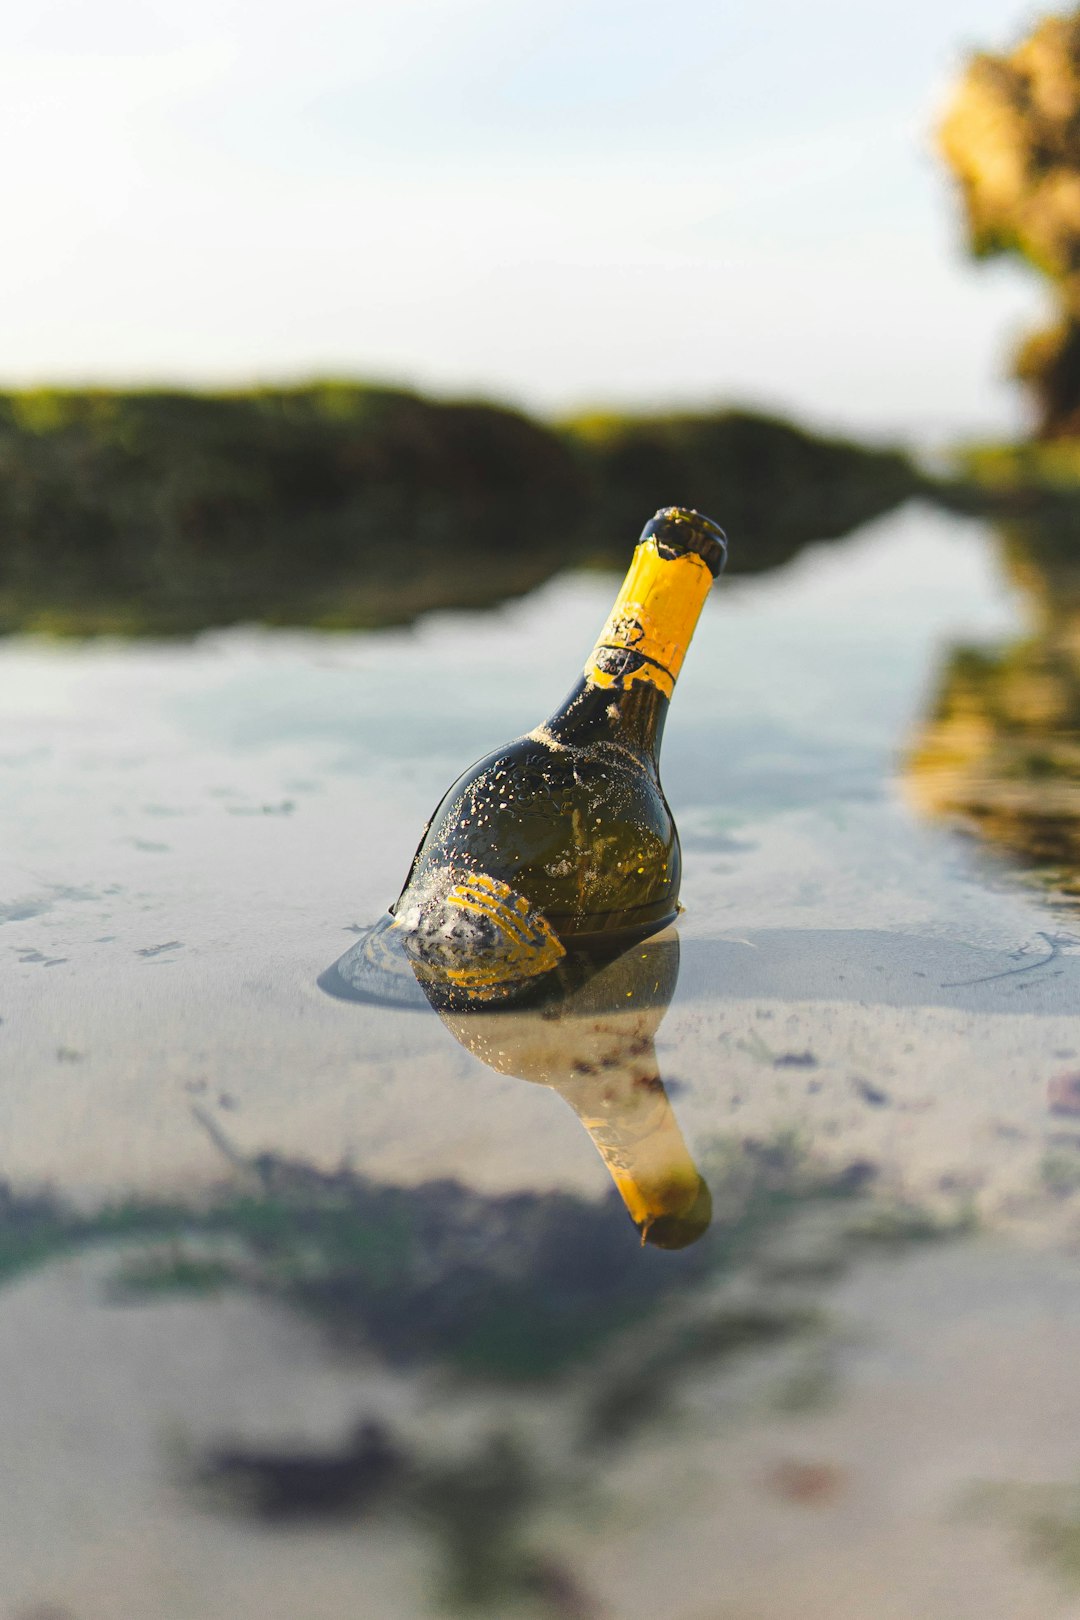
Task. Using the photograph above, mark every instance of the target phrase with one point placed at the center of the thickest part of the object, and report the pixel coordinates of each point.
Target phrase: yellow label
(518, 944)
(654, 617)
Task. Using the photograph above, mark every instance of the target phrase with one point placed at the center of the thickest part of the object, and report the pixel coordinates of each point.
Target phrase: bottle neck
(629, 717)
(630, 1120)
(630, 674)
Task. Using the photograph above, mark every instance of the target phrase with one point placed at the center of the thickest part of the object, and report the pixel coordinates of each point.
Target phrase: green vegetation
(999, 747)
(1034, 482)
(514, 1289)
(1032, 470)
(172, 1272)
(478, 1508)
(1047, 1516)
(493, 1292)
(641, 1394)
(331, 504)
(1012, 139)
(339, 504)
(1060, 1174)
(774, 487)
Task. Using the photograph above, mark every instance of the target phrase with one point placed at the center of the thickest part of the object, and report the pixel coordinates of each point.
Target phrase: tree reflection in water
(1000, 748)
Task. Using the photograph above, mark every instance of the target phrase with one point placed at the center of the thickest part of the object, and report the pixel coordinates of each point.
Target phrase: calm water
(320, 1308)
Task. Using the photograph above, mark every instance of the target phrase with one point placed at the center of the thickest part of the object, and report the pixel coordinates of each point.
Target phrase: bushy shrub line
(340, 503)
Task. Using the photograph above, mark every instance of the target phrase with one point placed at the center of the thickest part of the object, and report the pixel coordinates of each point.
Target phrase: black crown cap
(679, 529)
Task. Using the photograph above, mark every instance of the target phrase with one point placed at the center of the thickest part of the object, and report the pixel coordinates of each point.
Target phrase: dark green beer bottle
(563, 840)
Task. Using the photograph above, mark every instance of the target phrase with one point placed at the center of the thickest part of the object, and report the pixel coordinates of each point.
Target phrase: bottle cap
(679, 529)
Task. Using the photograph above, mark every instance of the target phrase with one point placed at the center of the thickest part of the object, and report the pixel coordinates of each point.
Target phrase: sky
(558, 204)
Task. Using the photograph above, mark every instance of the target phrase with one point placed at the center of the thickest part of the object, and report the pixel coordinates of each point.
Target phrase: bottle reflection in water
(593, 1043)
(589, 1036)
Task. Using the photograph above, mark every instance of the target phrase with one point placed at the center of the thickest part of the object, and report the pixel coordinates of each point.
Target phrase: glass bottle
(562, 840)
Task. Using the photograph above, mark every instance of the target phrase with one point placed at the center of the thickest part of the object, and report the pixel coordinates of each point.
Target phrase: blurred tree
(999, 749)
(1012, 137)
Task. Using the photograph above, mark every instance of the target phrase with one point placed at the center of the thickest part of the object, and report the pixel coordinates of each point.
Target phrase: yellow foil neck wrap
(653, 617)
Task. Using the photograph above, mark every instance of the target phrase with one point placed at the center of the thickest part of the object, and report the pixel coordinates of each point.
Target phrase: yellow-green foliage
(1011, 136)
(1012, 139)
(1034, 484)
(1053, 466)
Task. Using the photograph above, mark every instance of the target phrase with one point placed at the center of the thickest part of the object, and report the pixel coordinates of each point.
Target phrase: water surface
(323, 1307)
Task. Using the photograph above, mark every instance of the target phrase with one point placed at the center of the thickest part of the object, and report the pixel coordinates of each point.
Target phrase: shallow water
(244, 1217)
